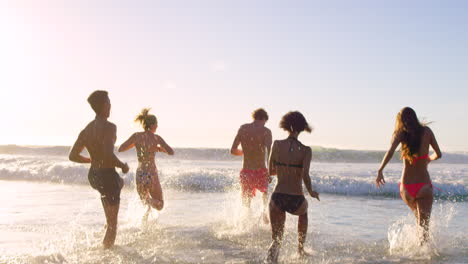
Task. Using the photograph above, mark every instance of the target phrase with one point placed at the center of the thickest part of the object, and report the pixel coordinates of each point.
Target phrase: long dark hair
(410, 131)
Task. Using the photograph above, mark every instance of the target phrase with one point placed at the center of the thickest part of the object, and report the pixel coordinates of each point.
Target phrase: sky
(204, 66)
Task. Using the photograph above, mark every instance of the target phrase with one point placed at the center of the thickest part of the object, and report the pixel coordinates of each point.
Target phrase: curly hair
(260, 114)
(294, 122)
(146, 119)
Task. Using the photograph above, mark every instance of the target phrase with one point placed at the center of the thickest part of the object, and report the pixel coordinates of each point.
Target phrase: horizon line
(179, 147)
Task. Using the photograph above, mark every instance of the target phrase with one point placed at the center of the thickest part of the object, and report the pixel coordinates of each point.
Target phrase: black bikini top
(277, 163)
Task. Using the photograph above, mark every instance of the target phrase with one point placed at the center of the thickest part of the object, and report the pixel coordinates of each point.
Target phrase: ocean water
(50, 214)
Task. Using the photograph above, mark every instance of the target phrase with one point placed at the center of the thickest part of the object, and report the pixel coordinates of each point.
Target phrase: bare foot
(155, 203)
(302, 253)
(109, 237)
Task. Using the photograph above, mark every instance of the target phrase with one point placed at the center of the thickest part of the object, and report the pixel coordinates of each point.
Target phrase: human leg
(157, 199)
(277, 219)
(424, 202)
(111, 211)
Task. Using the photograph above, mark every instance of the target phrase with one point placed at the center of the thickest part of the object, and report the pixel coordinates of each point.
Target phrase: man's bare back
(255, 140)
(99, 138)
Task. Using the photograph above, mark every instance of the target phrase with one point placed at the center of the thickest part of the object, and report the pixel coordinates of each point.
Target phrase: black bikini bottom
(287, 202)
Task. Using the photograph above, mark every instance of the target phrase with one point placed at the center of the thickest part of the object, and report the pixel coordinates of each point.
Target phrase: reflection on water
(50, 223)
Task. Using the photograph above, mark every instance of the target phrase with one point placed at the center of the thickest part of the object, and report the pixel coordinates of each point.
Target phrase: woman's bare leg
(143, 192)
(424, 202)
(277, 219)
(302, 225)
(409, 200)
(155, 191)
(302, 233)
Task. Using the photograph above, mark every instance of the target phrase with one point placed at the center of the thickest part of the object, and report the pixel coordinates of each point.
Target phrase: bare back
(146, 145)
(99, 138)
(417, 172)
(255, 141)
(290, 160)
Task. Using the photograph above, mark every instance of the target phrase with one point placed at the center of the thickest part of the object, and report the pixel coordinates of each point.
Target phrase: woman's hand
(379, 181)
(315, 195)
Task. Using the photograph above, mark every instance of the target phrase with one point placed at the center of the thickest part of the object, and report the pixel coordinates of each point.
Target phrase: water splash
(404, 234)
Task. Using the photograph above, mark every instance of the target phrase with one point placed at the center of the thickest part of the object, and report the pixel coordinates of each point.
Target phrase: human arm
(388, 156)
(163, 146)
(271, 162)
(235, 144)
(267, 143)
(305, 173)
(130, 143)
(108, 145)
(78, 147)
(435, 146)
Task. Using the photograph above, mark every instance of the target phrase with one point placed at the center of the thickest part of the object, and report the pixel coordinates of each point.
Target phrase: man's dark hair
(97, 99)
(260, 114)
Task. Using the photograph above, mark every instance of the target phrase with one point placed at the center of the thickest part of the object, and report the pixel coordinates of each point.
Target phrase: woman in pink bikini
(415, 184)
(147, 143)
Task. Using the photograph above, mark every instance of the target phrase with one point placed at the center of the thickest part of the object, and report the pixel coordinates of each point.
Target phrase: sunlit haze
(204, 66)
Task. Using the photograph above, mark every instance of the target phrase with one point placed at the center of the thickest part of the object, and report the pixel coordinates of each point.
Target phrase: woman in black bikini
(290, 161)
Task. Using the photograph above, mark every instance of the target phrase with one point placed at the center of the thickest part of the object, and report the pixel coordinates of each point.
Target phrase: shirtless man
(255, 140)
(98, 138)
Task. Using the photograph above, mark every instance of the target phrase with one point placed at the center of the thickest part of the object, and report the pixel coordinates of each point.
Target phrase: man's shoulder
(106, 125)
(244, 127)
(247, 125)
(88, 126)
(111, 125)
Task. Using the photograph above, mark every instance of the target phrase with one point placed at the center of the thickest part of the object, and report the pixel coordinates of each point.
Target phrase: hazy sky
(203, 66)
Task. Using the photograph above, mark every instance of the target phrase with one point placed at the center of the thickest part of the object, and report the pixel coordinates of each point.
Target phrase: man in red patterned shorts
(255, 140)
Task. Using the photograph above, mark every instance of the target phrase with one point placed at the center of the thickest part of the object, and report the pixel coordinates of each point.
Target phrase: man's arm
(271, 163)
(268, 140)
(78, 147)
(109, 148)
(235, 145)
